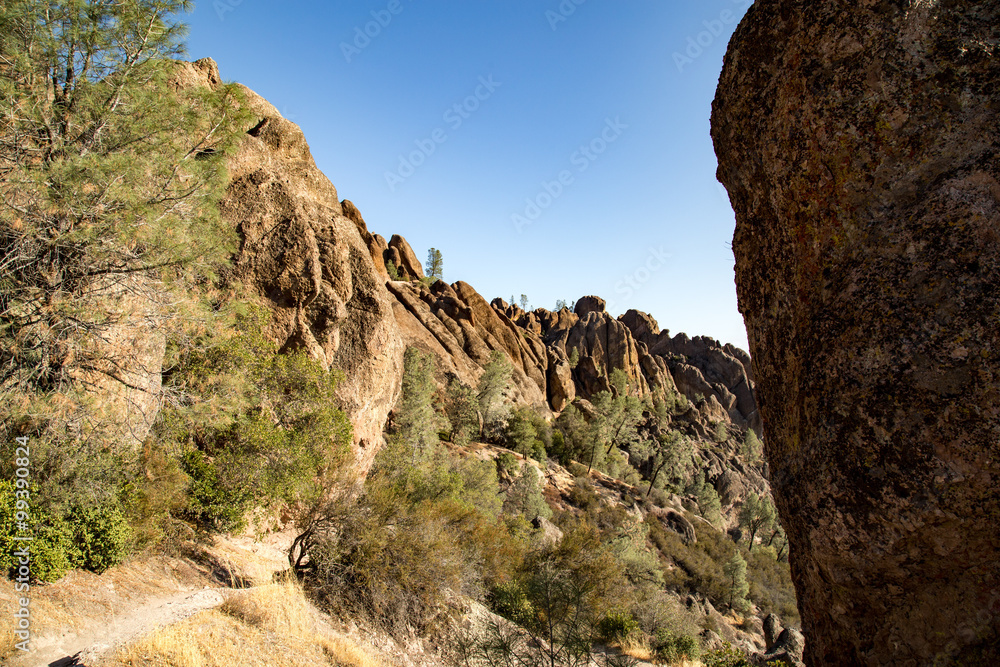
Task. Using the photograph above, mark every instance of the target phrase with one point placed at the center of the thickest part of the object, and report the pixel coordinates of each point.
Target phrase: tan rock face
(859, 144)
(310, 259)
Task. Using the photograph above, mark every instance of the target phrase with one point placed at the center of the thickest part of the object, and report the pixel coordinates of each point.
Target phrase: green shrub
(154, 497)
(8, 526)
(583, 495)
(558, 448)
(461, 407)
(101, 536)
(95, 538)
(727, 656)
(617, 626)
(421, 532)
(508, 599)
(525, 496)
(508, 463)
(279, 435)
(670, 648)
(52, 551)
(771, 587)
(699, 565)
(212, 503)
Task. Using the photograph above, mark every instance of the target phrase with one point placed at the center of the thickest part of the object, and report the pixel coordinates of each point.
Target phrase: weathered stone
(859, 144)
(772, 628)
(561, 388)
(730, 487)
(408, 262)
(549, 534)
(676, 522)
(309, 264)
(589, 304)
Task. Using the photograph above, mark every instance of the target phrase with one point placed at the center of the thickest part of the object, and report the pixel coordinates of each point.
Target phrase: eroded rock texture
(859, 144)
(310, 259)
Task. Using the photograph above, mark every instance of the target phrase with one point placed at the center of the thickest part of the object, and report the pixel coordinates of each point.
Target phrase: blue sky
(548, 148)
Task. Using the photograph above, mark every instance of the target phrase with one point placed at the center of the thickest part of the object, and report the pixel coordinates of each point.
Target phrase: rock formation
(310, 260)
(859, 144)
(355, 301)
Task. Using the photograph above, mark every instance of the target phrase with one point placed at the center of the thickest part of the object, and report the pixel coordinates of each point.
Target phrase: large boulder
(859, 144)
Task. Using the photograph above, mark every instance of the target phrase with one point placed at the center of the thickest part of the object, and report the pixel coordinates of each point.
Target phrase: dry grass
(270, 625)
(7, 643)
(82, 597)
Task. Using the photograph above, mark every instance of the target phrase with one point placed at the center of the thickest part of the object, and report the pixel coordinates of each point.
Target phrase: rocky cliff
(308, 258)
(460, 328)
(356, 301)
(859, 144)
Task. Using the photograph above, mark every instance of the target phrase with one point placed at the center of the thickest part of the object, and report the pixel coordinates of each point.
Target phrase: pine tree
(435, 265)
(462, 410)
(525, 496)
(109, 184)
(756, 514)
(736, 572)
(752, 447)
(616, 419)
(669, 453)
(491, 393)
(708, 499)
(416, 420)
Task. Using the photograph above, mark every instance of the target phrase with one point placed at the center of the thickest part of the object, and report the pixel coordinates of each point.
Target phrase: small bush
(507, 463)
(508, 599)
(8, 526)
(727, 656)
(211, 503)
(617, 626)
(670, 648)
(101, 536)
(584, 496)
(52, 552)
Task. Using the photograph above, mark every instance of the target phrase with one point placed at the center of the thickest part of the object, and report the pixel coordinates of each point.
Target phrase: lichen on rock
(859, 145)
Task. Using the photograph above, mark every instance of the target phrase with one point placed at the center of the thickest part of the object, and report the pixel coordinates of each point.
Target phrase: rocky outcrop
(859, 144)
(676, 522)
(458, 327)
(309, 259)
(561, 356)
(403, 258)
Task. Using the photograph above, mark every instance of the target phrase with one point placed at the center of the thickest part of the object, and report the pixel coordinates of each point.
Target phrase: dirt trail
(84, 617)
(84, 646)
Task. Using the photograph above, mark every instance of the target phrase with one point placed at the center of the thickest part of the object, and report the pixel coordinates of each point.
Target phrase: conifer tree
(736, 573)
(756, 514)
(462, 410)
(109, 183)
(616, 418)
(416, 420)
(492, 395)
(435, 264)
